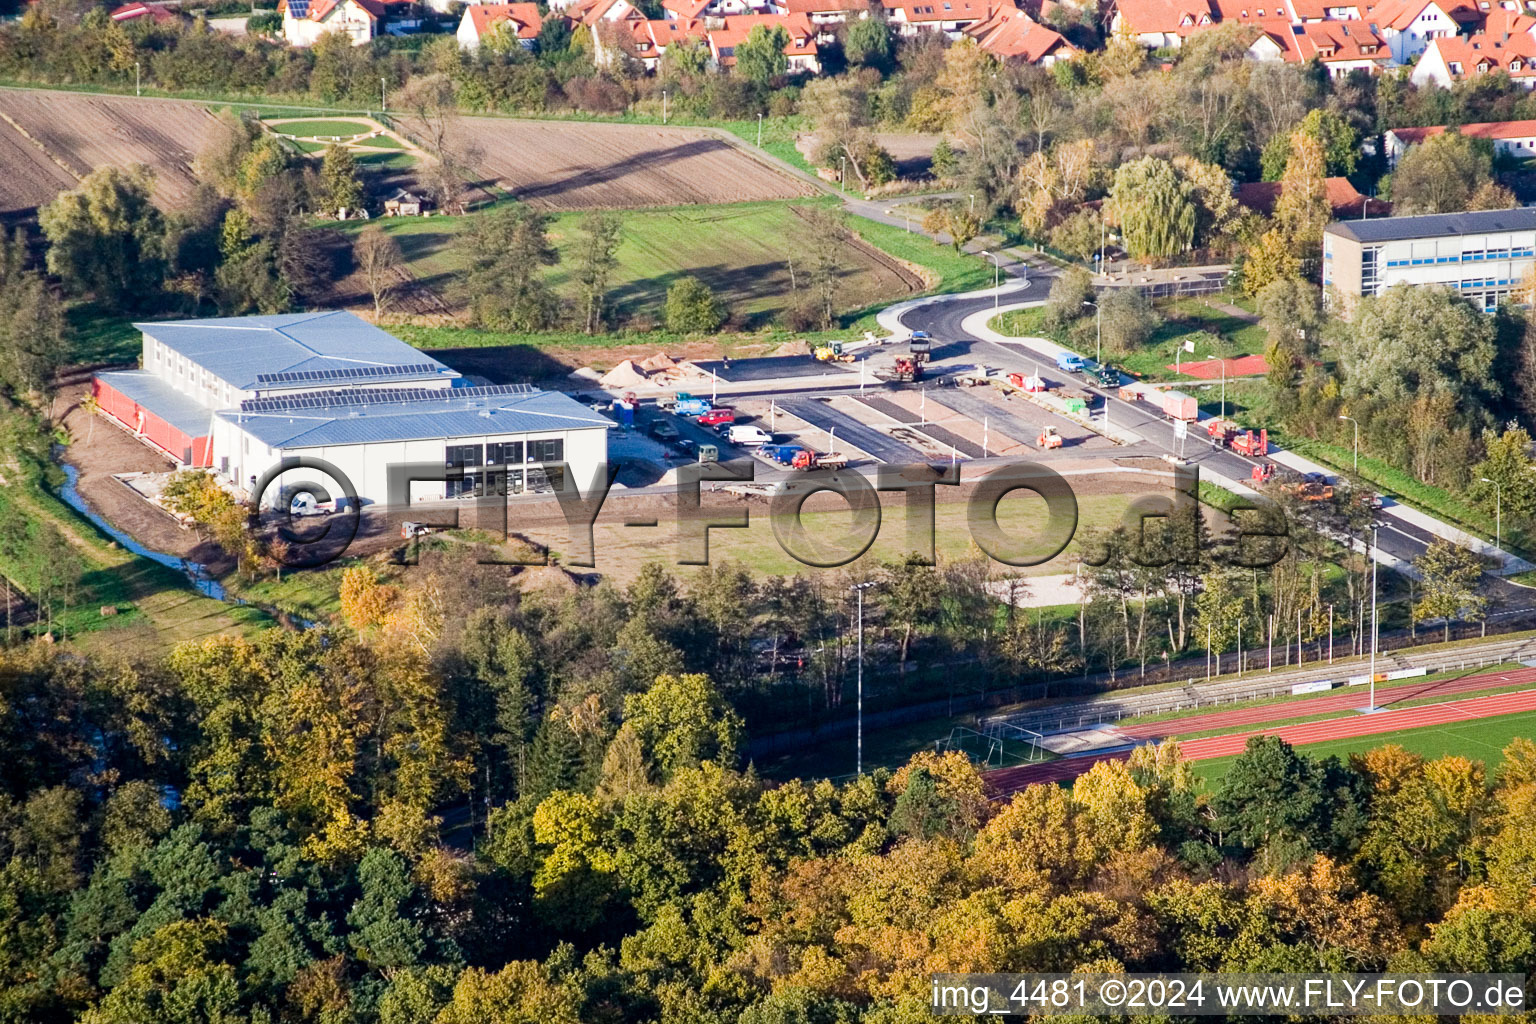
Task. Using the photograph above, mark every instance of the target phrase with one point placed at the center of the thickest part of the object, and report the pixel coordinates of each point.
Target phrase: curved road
(944, 318)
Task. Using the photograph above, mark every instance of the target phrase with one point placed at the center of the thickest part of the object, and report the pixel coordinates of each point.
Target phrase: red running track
(1347, 700)
(1010, 780)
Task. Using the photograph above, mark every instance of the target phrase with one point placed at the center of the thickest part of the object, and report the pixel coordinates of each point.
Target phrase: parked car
(748, 435)
(662, 431)
(718, 415)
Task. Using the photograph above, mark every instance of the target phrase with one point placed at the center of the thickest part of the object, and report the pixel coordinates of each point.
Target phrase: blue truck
(1070, 362)
(783, 454)
(691, 406)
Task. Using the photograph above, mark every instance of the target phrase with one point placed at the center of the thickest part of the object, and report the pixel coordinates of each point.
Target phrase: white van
(749, 436)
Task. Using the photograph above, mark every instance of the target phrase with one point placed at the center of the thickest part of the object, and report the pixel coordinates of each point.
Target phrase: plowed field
(30, 178)
(84, 132)
(573, 166)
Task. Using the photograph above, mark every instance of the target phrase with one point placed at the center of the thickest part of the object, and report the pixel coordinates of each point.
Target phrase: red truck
(717, 415)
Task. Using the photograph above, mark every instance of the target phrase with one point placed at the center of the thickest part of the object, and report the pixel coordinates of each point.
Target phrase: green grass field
(1483, 740)
(741, 251)
(1214, 333)
(320, 127)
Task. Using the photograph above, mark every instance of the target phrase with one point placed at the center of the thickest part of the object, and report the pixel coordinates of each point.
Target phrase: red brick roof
(687, 10)
(1486, 130)
(1015, 34)
(1482, 54)
(919, 11)
(733, 31)
(1327, 41)
(1169, 17)
(1345, 200)
(524, 16)
(158, 13)
(823, 6)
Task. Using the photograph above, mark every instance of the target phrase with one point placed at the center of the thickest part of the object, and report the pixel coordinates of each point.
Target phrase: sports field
(1479, 726)
(1483, 740)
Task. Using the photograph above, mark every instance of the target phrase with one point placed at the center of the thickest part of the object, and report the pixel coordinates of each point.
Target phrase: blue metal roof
(185, 414)
(459, 412)
(1436, 225)
(244, 349)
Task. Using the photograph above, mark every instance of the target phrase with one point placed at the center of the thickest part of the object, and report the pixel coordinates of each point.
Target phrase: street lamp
(997, 277)
(759, 130)
(1374, 527)
(859, 589)
(973, 205)
(136, 79)
(1498, 514)
(1098, 319)
(842, 172)
(383, 98)
(905, 217)
(1357, 439)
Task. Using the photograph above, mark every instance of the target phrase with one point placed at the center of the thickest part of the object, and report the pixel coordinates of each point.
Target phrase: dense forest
(394, 822)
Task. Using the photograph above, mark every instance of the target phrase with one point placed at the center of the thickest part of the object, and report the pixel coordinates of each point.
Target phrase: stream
(195, 572)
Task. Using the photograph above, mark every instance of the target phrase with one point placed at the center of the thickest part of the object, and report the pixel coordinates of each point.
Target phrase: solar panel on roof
(378, 396)
(298, 8)
(349, 373)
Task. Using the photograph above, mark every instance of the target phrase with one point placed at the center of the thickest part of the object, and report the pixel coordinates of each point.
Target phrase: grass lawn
(318, 127)
(382, 161)
(740, 250)
(312, 594)
(156, 606)
(100, 337)
(1481, 740)
(1214, 333)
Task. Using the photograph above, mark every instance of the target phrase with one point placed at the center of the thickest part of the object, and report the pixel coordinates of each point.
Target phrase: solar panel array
(298, 8)
(348, 373)
(378, 396)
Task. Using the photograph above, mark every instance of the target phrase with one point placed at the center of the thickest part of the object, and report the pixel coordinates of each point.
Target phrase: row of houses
(1446, 40)
(620, 28)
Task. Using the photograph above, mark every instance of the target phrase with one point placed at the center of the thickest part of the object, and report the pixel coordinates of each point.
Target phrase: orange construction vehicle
(1263, 473)
(1048, 438)
(1220, 431)
(1312, 487)
(1252, 445)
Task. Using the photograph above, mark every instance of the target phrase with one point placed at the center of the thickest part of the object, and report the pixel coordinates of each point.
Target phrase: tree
(378, 259)
(1303, 210)
(601, 234)
(1451, 584)
(692, 307)
(502, 252)
(1154, 207)
(1270, 259)
(1284, 804)
(1128, 320)
(1069, 292)
(868, 42)
(1293, 318)
(681, 721)
(386, 934)
(825, 246)
(339, 180)
(1339, 141)
(32, 340)
(1490, 195)
(104, 238)
(760, 57)
(1507, 463)
(1440, 174)
(554, 38)
(954, 219)
(1415, 340)
(1077, 234)
(945, 162)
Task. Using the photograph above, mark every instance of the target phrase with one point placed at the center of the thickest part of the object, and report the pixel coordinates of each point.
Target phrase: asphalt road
(867, 438)
(943, 318)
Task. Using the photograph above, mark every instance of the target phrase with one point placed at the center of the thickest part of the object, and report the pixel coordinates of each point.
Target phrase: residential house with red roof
(1460, 58)
(826, 12)
(802, 50)
(951, 17)
(520, 21)
(1158, 24)
(651, 38)
(1014, 35)
(160, 14)
(1339, 46)
(1515, 139)
(305, 21)
(1409, 26)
